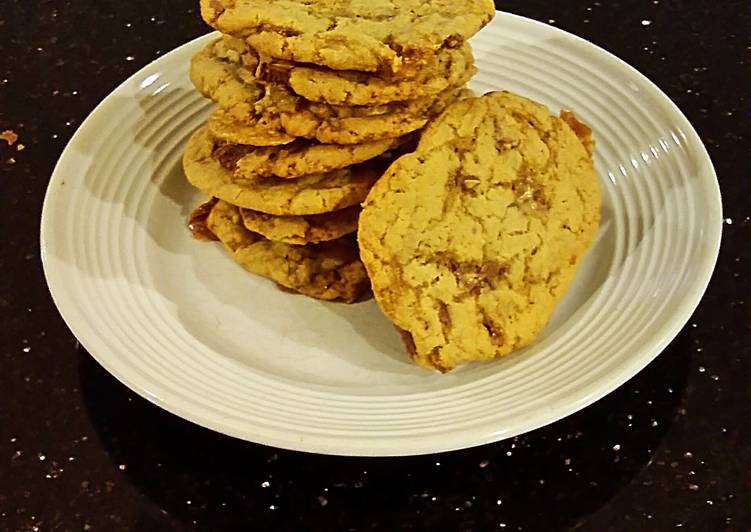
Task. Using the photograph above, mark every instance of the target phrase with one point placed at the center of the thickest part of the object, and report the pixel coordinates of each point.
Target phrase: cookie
(302, 229)
(472, 240)
(581, 129)
(328, 271)
(223, 72)
(222, 80)
(282, 114)
(234, 50)
(397, 38)
(353, 125)
(304, 157)
(454, 68)
(286, 114)
(210, 168)
(256, 130)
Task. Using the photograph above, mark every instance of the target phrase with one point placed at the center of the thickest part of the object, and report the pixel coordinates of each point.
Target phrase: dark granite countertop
(78, 451)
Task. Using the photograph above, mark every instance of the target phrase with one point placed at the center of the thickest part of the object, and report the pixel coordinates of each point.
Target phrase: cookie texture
(304, 157)
(471, 240)
(329, 271)
(223, 71)
(356, 124)
(302, 229)
(272, 114)
(353, 125)
(255, 130)
(209, 167)
(393, 37)
(225, 81)
(454, 67)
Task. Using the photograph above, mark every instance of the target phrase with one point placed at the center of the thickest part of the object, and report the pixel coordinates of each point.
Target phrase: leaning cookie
(472, 240)
(329, 271)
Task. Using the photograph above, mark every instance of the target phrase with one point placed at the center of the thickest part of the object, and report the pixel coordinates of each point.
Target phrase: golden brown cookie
(223, 72)
(225, 81)
(303, 229)
(454, 68)
(280, 114)
(472, 240)
(304, 157)
(209, 168)
(256, 130)
(353, 125)
(388, 36)
(329, 271)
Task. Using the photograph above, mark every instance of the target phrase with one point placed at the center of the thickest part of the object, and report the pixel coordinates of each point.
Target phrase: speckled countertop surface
(78, 451)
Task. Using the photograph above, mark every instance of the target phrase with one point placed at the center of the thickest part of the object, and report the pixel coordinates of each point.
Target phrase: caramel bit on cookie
(453, 41)
(494, 331)
(197, 221)
(529, 194)
(274, 71)
(476, 277)
(435, 355)
(582, 130)
(445, 318)
(409, 342)
(435, 360)
(217, 6)
(9, 136)
(227, 154)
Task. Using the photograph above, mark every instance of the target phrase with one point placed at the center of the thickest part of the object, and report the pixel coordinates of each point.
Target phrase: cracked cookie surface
(210, 168)
(472, 240)
(223, 78)
(396, 37)
(301, 230)
(329, 271)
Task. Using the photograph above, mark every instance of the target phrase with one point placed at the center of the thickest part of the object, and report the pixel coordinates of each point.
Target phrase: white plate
(181, 324)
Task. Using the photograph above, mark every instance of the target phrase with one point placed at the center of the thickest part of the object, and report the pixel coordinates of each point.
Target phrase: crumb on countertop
(9, 136)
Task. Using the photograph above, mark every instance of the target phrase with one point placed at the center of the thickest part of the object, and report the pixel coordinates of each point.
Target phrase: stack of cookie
(314, 101)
